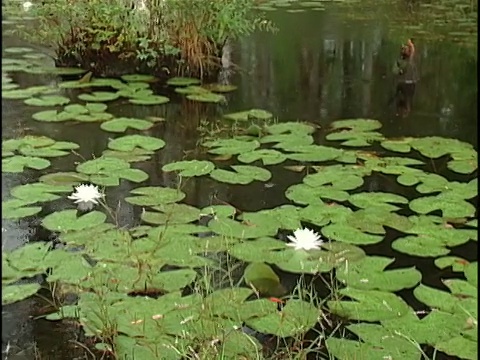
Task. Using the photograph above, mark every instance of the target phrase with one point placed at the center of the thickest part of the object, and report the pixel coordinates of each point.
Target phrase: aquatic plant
(165, 38)
(138, 289)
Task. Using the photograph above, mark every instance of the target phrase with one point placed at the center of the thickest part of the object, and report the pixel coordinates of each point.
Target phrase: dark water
(319, 67)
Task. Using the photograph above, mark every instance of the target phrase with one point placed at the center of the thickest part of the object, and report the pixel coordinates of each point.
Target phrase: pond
(318, 68)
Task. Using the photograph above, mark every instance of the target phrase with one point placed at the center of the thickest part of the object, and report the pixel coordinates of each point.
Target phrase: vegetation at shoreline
(163, 38)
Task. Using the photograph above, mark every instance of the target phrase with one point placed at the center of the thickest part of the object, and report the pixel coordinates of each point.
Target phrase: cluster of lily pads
(137, 287)
(106, 265)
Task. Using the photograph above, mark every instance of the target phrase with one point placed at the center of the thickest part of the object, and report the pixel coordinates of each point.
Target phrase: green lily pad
(369, 305)
(138, 78)
(17, 209)
(267, 156)
(378, 200)
(135, 155)
(296, 317)
(249, 115)
(171, 214)
(357, 125)
(38, 192)
(183, 81)
(290, 127)
(68, 220)
(14, 293)
(52, 116)
(263, 279)
(450, 205)
(242, 174)
(99, 96)
(149, 100)
(154, 196)
(231, 146)
(130, 142)
(122, 124)
(190, 168)
(63, 178)
(207, 97)
(370, 274)
(17, 164)
(345, 233)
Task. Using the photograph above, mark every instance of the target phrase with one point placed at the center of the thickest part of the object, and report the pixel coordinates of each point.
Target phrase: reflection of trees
(304, 79)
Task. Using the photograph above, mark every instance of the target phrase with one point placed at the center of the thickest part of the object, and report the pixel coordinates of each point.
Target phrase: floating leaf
(369, 305)
(17, 209)
(130, 142)
(377, 342)
(345, 233)
(207, 97)
(304, 194)
(451, 206)
(38, 192)
(138, 77)
(455, 262)
(267, 156)
(249, 115)
(53, 116)
(64, 178)
(264, 280)
(242, 174)
(296, 317)
(357, 125)
(290, 127)
(48, 100)
(231, 146)
(154, 196)
(435, 147)
(149, 100)
(67, 220)
(171, 214)
(190, 168)
(122, 124)
(183, 81)
(17, 164)
(378, 200)
(14, 293)
(99, 96)
(370, 274)
(135, 155)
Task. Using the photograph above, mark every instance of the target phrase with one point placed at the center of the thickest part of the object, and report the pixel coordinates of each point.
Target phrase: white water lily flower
(305, 239)
(27, 5)
(86, 196)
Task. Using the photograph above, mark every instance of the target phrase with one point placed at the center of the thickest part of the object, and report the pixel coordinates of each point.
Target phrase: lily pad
(122, 124)
(14, 293)
(267, 156)
(231, 146)
(207, 97)
(370, 274)
(130, 142)
(17, 209)
(154, 196)
(149, 100)
(183, 81)
(17, 164)
(138, 78)
(47, 100)
(249, 115)
(369, 305)
(68, 220)
(99, 96)
(242, 174)
(190, 168)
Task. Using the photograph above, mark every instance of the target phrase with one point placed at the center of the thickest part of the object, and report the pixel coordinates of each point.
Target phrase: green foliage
(157, 35)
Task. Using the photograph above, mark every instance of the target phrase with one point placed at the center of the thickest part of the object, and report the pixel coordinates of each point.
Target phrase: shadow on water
(317, 68)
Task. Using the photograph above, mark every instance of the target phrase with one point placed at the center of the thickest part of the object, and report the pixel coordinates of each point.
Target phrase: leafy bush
(171, 36)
